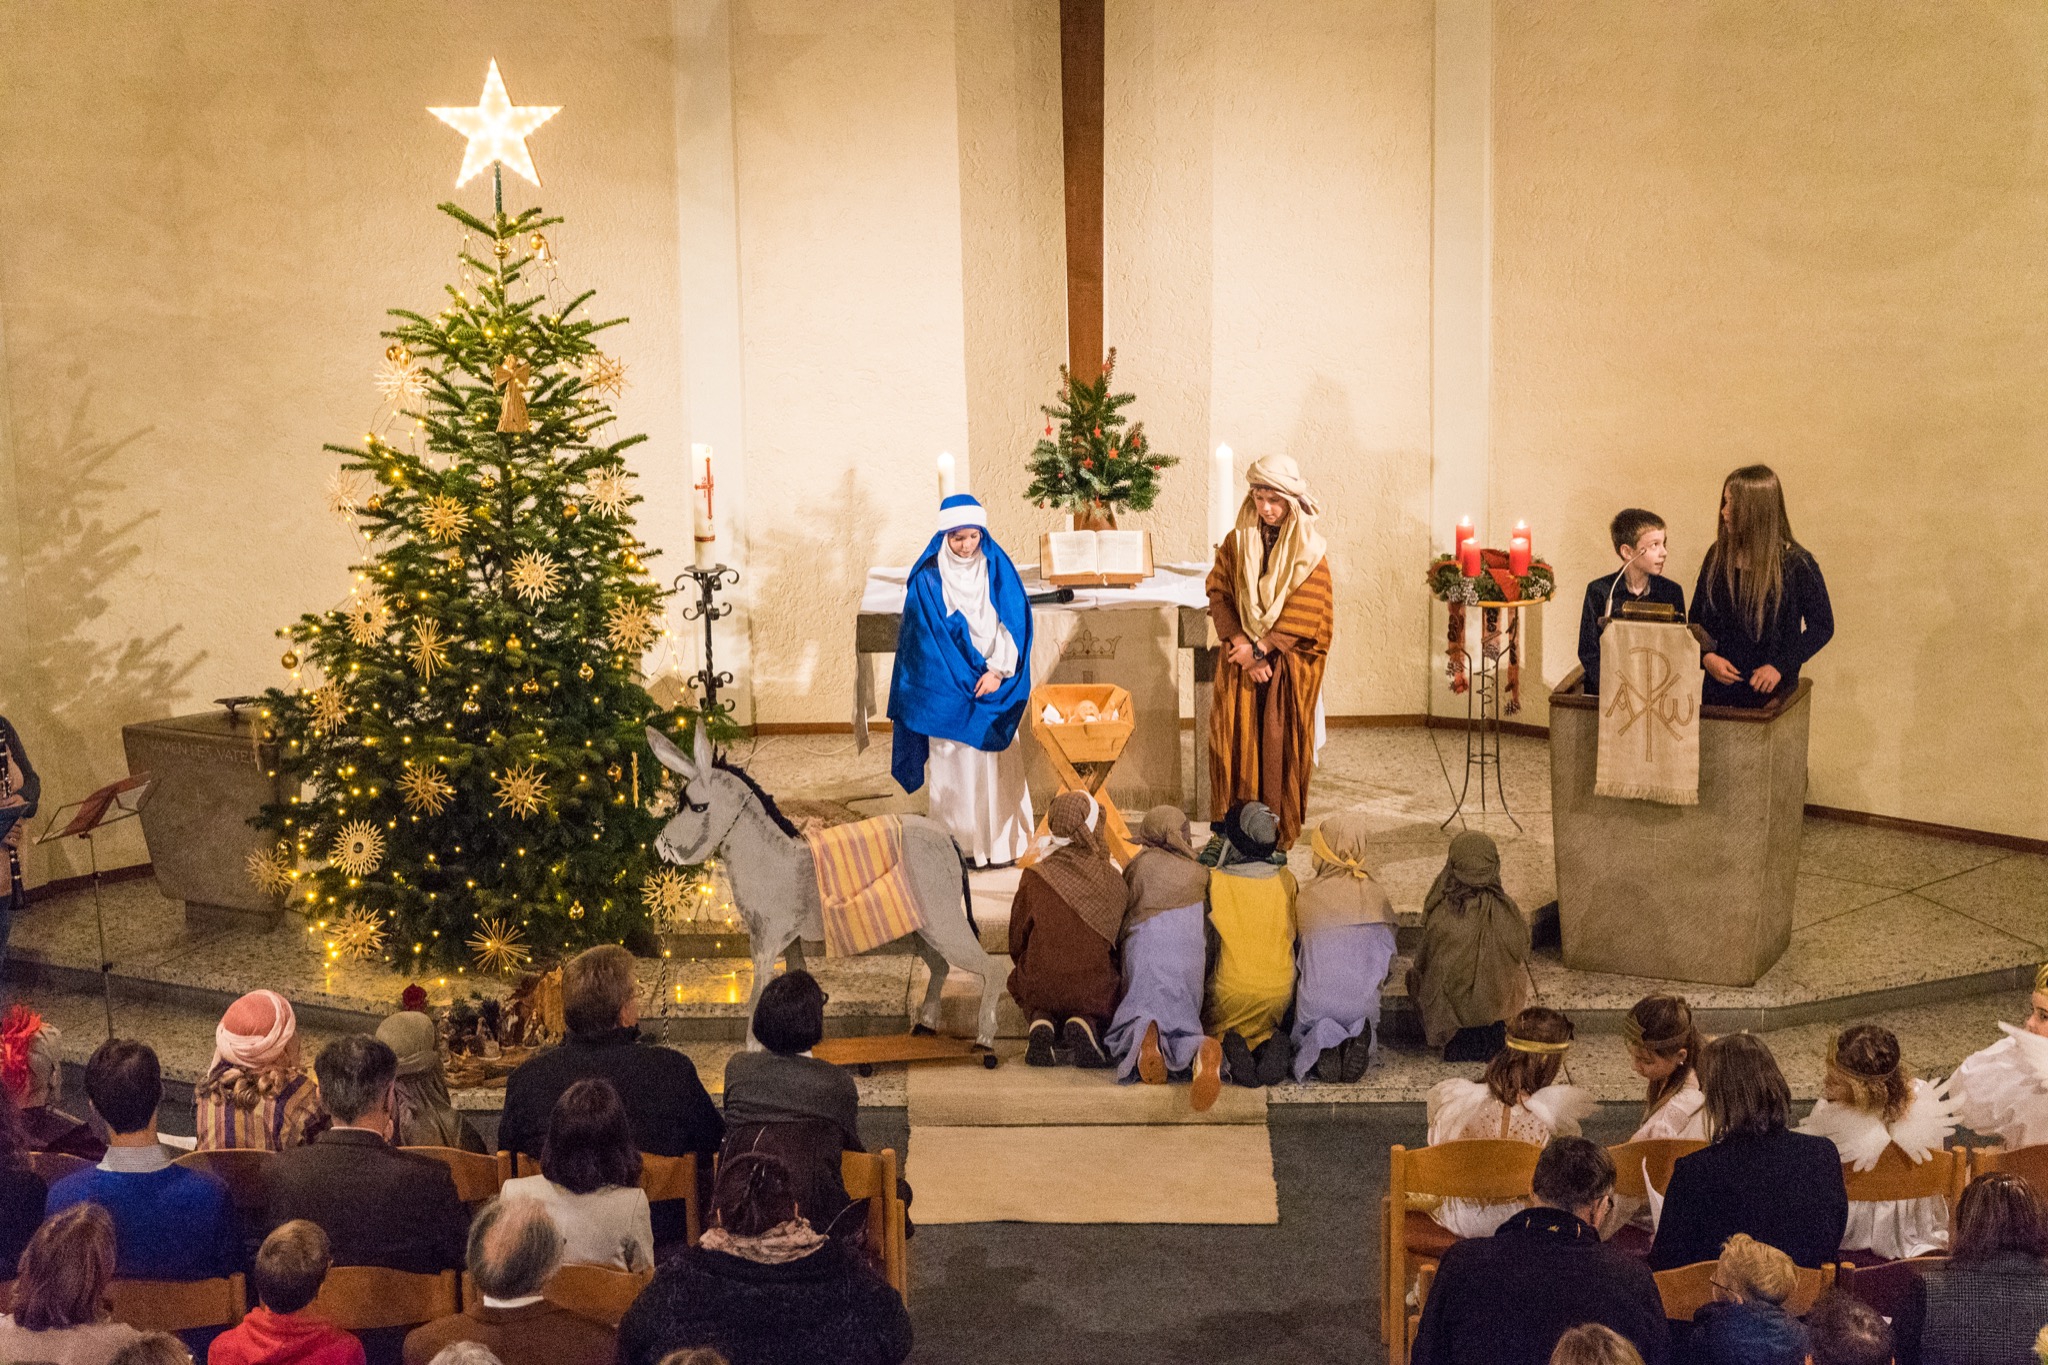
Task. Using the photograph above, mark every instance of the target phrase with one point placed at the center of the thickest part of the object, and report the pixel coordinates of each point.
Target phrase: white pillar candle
(702, 487)
(946, 487)
(1222, 495)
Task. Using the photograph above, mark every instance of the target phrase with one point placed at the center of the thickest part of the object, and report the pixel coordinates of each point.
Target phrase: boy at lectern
(1639, 540)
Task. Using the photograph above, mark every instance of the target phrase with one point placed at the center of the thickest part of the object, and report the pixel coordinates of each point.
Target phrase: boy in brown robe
(1064, 923)
(1270, 599)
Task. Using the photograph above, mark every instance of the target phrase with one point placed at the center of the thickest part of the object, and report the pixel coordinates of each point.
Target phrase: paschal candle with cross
(706, 528)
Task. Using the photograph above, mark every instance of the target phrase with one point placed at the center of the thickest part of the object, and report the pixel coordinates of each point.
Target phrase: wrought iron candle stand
(709, 678)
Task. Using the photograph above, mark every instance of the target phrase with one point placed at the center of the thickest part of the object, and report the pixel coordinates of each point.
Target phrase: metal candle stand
(709, 679)
(1483, 714)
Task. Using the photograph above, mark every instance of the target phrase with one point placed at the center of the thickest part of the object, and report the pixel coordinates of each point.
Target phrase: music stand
(110, 805)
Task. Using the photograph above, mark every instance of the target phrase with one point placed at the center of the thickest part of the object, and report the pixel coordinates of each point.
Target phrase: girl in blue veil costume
(961, 681)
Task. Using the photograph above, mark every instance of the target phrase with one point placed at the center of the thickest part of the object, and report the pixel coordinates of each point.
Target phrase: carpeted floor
(1301, 1292)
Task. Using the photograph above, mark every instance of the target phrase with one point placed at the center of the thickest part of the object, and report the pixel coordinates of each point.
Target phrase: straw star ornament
(497, 130)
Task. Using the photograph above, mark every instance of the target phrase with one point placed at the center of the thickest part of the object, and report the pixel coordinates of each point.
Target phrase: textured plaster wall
(205, 210)
(848, 155)
(1808, 235)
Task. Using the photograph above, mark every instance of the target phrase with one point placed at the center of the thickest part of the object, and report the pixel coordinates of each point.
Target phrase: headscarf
(1343, 891)
(1247, 842)
(1078, 869)
(255, 1049)
(1470, 872)
(425, 1114)
(31, 1058)
(781, 1244)
(1265, 579)
(1470, 966)
(938, 663)
(1164, 874)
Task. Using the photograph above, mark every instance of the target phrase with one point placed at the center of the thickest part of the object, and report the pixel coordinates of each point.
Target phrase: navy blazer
(1785, 1190)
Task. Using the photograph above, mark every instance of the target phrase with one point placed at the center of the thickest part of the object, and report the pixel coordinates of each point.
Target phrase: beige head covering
(1164, 874)
(1342, 891)
(1264, 580)
(425, 1114)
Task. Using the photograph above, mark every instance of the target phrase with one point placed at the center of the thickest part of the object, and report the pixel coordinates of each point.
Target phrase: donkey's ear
(670, 756)
(703, 757)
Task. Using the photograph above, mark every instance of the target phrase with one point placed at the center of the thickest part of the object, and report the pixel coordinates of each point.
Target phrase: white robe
(2002, 1091)
(1893, 1228)
(980, 797)
(1461, 1110)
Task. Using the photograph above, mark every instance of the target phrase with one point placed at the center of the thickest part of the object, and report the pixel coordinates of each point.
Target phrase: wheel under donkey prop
(853, 887)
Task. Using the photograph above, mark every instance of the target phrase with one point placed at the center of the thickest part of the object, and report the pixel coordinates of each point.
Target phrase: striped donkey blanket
(863, 886)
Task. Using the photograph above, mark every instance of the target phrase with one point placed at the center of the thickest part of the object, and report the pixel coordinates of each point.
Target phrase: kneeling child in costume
(1157, 1033)
(1064, 923)
(1251, 925)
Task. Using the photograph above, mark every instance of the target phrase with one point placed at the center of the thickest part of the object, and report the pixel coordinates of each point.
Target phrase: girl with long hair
(1760, 596)
(1869, 1102)
(1664, 1049)
(1518, 1099)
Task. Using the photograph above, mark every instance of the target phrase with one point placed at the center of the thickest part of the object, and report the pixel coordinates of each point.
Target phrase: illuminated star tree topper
(497, 130)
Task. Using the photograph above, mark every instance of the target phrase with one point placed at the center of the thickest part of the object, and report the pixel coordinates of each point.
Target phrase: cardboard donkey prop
(775, 881)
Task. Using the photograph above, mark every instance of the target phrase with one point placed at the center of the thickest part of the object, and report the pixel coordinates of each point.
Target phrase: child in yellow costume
(1251, 946)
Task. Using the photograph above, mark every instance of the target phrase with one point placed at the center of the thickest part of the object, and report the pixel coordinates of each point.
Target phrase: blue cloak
(931, 690)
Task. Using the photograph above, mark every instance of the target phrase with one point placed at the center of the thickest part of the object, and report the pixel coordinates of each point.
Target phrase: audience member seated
(1986, 1305)
(785, 1103)
(589, 1181)
(1518, 1100)
(1591, 1344)
(1346, 945)
(1471, 972)
(668, 1108)
(23, 1193)
(1758, 1176)
(60, 1294)
(1843, 1330)
(424, 1115)
(1870, 1101)
(153, 1348)
(1747, 1324)
(257, 1092)
(378, 1206)
(170, 1222)
(289, 1269)
(32, 1070)
(765, 1287)
(2002, 1091)
(1508, 1299)
(514, 1250)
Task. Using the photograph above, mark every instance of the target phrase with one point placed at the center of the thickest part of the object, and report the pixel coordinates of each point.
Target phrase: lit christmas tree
(466, 738)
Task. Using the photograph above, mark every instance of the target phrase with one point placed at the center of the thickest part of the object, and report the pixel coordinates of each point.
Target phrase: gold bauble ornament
(615, 772)
(569, 511)
(290, 659)
(470, 708)
(529, 687)
(575, 909)
(586, 672)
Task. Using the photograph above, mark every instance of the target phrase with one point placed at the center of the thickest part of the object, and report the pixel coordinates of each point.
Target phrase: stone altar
(211, 780)
(1684, 893)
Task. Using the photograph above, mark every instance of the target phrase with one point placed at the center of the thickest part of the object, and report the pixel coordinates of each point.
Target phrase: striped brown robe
(1262, 737)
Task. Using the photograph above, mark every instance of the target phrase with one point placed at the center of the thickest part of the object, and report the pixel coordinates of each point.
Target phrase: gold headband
(1632, 1033)
(1353, 866)
(2041, 977)
(1531, 1045)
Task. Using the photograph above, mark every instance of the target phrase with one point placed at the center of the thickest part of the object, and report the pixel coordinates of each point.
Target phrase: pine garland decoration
(465, 677)
(1090, 464)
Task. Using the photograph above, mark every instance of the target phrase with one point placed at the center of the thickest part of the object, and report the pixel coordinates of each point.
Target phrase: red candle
(1518, 555)
(1460, 536)
(1522, 530)
(1468, 558)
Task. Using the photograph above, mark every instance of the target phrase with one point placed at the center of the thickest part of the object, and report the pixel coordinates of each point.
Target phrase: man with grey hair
(514, 1250)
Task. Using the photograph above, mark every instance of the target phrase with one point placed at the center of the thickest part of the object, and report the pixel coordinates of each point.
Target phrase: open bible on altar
(1095, 559)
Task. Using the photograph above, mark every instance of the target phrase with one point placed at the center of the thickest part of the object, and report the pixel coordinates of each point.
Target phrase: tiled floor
(1877, 910)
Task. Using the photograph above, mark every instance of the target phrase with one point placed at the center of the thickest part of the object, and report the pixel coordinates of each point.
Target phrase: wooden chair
(359, 1298)
(1490, 1170)
(1630, 1158)
(674, 1177)
(1898, 1176)
(244, 1170)
(2028, 1163)
(178, 1305)
(1690, 1288)
(597, 1292)
(872, 1176)
(54, 1166)
(477, 1177)
(663, 1177)
(1885, 1287)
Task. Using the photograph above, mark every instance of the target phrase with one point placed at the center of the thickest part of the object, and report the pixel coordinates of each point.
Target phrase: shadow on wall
(71, 691)
(808, 568)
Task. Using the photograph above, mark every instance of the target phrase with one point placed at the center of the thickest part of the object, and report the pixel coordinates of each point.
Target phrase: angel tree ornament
(513, 375)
